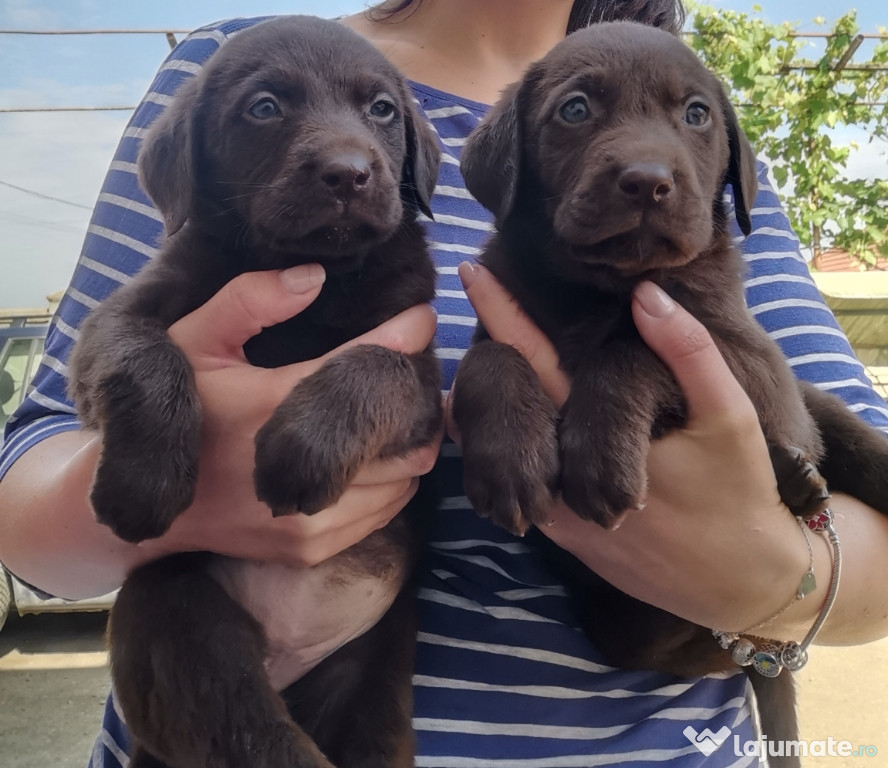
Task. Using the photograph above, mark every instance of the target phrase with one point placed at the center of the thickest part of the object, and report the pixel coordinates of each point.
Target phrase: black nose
(347, 174)
(646, 182)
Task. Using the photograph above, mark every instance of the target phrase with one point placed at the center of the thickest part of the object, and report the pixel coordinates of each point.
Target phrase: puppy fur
(297, 143)
(604, 166)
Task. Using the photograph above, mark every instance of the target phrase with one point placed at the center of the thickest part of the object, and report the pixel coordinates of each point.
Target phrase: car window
(20, 351)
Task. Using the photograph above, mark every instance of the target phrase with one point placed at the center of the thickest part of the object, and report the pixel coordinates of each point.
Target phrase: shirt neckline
(476, 106)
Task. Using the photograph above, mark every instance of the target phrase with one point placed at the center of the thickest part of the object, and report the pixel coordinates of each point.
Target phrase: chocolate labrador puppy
(605, 166)
(297, 143)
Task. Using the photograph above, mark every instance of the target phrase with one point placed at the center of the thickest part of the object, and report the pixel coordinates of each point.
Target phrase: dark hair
(666, 14)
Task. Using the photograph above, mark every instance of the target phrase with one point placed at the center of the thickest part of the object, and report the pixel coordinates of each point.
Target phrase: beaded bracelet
(771, 657)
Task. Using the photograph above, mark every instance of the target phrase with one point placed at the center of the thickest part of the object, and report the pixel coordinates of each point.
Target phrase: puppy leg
(358, 703)
(134, 385)
(606, 426)
(776, 704)
(188, 668)
(855, 459)
(507, 429)
(141, 758)
(365, 403)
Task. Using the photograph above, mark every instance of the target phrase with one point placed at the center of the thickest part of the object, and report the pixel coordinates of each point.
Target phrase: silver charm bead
(793, 657)
(743, 651)
(766, 664)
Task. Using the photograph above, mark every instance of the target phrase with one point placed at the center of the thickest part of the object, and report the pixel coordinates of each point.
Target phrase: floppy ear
(420, 172)
(491, 156)
(166, 162)
(741, 173)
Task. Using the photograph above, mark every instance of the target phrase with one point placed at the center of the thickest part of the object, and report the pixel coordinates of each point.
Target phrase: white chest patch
(308, 613)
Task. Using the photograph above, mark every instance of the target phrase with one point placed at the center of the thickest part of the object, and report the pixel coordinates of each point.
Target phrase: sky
(64, 155)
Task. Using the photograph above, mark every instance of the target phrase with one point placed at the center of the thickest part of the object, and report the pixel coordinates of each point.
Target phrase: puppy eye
(575, 110)
(383, 109)
(265, 108)
(697, 114)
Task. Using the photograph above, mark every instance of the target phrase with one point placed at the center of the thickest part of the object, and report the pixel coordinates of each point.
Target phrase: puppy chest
(308, 613)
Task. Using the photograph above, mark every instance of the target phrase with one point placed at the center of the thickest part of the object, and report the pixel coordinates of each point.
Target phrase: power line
(44, 197)
(94, 31)
(67, 109)
(170, 34)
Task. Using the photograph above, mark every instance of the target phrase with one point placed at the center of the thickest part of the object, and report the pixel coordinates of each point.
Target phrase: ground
(54, 678)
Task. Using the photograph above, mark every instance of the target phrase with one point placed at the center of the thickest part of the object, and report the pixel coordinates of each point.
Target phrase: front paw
(147, 470)
(602, 475)
(137, 498)
(304, 461)
(512, 482)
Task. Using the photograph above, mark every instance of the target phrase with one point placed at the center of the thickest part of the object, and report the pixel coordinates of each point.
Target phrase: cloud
(46, 92)
(23, 14)
(64, 155)
(869, 160)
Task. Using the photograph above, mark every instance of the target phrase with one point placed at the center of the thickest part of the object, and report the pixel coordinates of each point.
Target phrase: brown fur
(605, 166)
(334, 173)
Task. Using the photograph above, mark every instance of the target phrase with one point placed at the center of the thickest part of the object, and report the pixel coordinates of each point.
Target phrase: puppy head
(298, 135)
(625, 141)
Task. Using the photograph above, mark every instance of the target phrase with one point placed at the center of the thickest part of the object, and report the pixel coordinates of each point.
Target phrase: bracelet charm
(766, 660)
(772, 657)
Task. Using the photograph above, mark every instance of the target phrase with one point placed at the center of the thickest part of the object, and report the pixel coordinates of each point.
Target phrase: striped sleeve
(122, 235)
(783, 297)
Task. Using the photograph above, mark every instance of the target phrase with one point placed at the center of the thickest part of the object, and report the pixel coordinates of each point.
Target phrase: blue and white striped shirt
(504, 679)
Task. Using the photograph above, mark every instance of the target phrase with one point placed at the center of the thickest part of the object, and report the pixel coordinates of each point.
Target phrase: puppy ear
(166, 163)
(741, 173)
(491, 156)
(420, 172)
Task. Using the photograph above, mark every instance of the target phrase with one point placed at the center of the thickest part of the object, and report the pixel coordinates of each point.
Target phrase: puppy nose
(346, 174)
(646, 182)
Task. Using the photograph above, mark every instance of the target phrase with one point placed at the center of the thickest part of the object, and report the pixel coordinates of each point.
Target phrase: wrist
(795, 622)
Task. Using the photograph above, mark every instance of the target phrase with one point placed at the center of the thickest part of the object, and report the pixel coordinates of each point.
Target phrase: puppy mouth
(335, 240)
(634, 253)
(339, 242)
(633, 245)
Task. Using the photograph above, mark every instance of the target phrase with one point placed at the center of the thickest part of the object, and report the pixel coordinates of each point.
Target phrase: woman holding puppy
(502, 676)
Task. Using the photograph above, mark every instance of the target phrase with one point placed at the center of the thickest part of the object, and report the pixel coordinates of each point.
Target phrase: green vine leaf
(789, 104)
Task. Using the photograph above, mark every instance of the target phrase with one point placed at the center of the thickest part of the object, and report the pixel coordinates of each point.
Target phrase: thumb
(687, 348)
(244, 306)
(506, 322)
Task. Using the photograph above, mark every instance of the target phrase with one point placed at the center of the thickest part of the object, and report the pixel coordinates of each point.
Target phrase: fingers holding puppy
(505, 321)
(238, 398)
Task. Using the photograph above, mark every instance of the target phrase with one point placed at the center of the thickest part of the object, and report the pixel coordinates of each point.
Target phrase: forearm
(48, 534)
(860, 612)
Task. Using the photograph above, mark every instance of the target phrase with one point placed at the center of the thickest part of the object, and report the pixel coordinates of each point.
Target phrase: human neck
(470, 48)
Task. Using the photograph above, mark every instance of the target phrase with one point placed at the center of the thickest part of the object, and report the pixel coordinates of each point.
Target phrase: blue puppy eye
(265, 108)
(697, 114)
(575, 110)
(383, 109)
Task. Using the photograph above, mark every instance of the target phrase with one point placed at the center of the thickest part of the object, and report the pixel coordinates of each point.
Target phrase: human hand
(713, 543)
(237, 398)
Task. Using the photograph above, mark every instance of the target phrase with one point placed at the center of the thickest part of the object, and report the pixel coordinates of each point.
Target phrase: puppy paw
(365, 403)
(304, 461)
(800, 485)
(147, 470)
(512, 484)
(602, 475)
(139, 499)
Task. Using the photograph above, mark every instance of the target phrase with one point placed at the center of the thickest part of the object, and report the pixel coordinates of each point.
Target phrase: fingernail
(468, 273)
(654, 300)
(303, 278)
